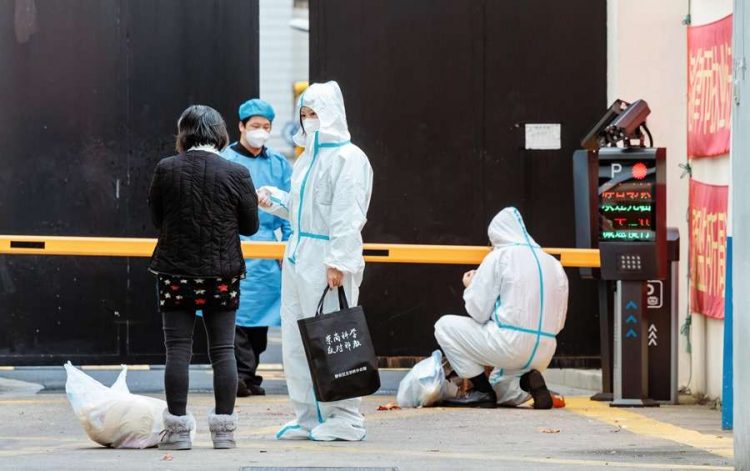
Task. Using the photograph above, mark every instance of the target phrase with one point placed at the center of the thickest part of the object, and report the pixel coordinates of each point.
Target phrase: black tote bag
(339, 352)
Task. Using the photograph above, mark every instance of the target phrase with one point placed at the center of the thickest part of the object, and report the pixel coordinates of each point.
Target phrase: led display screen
(627, 201)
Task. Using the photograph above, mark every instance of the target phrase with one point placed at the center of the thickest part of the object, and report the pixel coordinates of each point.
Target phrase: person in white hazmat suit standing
(517, 300)
(327, 207)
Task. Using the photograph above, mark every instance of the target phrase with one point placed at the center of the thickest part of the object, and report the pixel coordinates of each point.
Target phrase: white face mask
(257, 137)
(311, 125)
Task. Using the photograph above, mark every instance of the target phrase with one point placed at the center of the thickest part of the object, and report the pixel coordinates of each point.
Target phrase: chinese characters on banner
(709, 88)
(708, 241)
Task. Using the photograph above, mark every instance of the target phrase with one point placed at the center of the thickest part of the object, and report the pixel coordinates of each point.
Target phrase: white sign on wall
(543, 136)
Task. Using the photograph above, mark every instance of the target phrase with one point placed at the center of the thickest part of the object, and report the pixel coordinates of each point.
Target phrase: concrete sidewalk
(40, 432)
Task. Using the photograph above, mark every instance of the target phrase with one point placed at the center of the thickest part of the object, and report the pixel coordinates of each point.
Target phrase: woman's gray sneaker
(176, 433)
(222, 428)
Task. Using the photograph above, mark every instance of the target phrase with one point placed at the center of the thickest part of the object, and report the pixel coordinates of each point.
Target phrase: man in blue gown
(261, 289)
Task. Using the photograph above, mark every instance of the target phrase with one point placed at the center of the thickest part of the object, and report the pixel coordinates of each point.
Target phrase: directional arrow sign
(631, 320)
(652, 343)
(652, 328)
(631, 333)
(652, 337)
(631, 305)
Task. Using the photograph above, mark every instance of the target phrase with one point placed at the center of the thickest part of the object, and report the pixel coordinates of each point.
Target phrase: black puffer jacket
(201, 203)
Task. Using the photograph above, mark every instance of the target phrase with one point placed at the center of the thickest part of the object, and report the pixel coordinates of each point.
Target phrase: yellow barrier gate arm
(379, 253)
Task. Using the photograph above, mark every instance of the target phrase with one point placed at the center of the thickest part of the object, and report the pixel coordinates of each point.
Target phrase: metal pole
(674, 315)
(617, 343)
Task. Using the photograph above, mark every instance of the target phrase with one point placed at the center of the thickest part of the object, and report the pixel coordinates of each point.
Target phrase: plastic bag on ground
(425, 385)
(112, 416)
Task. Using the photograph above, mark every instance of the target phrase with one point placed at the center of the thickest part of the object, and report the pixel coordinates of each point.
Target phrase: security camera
(595, 137)
(622, 122)
(628, 124)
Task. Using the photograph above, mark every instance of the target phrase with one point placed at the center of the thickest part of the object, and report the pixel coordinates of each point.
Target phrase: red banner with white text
(709, 88)
(708, 242)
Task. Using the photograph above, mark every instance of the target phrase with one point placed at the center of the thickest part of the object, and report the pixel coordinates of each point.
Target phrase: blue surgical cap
(256, 107)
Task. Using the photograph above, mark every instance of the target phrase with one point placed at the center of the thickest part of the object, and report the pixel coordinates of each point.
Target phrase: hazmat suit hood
(507, 228)
(328, 102)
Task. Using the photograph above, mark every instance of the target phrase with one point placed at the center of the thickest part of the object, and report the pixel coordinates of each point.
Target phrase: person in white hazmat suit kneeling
(517, 300)
(327, 207)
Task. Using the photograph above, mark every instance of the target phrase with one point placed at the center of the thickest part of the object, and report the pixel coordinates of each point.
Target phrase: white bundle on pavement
(425, 385)
(112, 416)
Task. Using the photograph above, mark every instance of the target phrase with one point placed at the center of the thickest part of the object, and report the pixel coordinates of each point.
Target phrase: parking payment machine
(620, 201)
(632, 244)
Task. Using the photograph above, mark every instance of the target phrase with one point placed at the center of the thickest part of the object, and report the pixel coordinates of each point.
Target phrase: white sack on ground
(112, 416)
(425, 385)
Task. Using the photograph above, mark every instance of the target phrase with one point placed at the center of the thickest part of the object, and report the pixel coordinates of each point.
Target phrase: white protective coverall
(517, 301)
(327, 207)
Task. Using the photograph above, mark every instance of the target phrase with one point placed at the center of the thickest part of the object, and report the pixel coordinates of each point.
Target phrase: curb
(574, 378)
(13, 387)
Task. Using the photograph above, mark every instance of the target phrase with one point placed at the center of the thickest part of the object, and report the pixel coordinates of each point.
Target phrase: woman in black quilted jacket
(200, 203)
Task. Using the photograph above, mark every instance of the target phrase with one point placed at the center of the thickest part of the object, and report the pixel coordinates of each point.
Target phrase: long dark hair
(201, 125)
